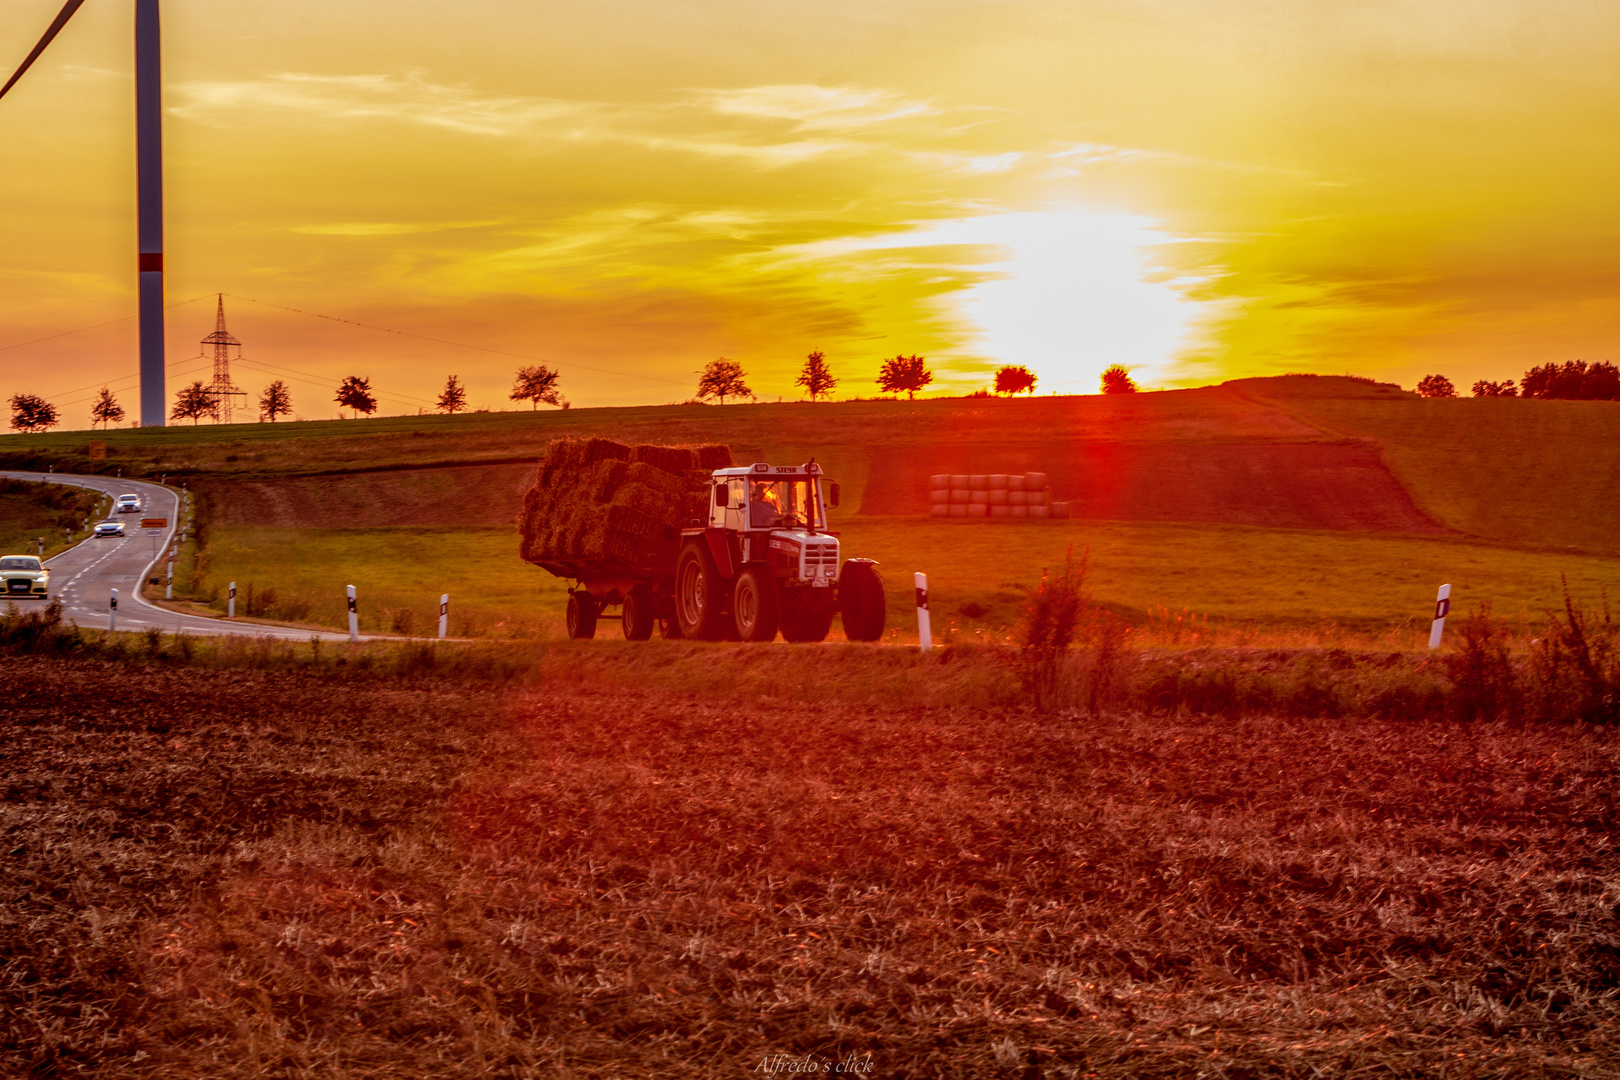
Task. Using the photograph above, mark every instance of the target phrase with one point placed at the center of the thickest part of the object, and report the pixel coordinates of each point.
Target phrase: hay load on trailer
(600, 505)
(680, 538)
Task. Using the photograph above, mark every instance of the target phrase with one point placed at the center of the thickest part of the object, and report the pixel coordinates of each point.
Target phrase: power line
(304, 376)
(457, 344)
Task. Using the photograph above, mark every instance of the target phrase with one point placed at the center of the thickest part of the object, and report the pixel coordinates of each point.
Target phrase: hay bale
(960, 495)
(1015, 483)
(998, 481)
(979, 483)
(980, 497)
(958, 481)
(1017, 497)
(1000, 511)
(1036, 498)
(998, 497)
(959, 510)
(1019, 511)
(940, 481)
(1060, 509)
(599, 500)
(1039, 511)
(1035, 481)
(939, 495)
(978, 510)
(940, 510)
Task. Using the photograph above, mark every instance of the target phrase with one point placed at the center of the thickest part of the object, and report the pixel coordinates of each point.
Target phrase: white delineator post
(444, 613)
(1442, 607)
(112, 612)
(230, 605)
(925, 639)
(354, 618)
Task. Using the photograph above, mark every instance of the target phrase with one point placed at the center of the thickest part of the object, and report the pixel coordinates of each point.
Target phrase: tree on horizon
(106, 410)
(1486, 388)
(904, 373)
(1117, 380)
(32, 413)
(454, 398)
(275, 401)
(355, 393)
(816, 377)
(723, 378)
(193, 403)
(536, 384)
(1015, 379)
(1436, 386)
(1573, 380)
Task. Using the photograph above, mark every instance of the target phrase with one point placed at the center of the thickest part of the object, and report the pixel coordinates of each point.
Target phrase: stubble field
(233, 872)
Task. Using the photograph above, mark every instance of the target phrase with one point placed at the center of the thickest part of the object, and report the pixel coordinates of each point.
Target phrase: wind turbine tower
(222, 390)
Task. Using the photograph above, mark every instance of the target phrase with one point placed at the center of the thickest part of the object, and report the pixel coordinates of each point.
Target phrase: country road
(84, 576)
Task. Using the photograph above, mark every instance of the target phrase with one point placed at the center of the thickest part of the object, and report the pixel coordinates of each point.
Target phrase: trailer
(760, 561)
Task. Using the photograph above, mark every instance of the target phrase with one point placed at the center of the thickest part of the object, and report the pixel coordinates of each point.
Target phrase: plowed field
(231, 874)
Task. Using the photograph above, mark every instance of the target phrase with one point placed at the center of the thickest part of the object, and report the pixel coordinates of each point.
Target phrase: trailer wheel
(581, 615)
(637, 614)
(756, 604)
(802, 621)
(700, 594)
(860, 596)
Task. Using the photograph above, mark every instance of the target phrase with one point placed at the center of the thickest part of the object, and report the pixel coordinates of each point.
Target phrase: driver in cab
(764, 505)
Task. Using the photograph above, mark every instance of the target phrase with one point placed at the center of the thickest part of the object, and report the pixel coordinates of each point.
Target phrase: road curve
(84, 576)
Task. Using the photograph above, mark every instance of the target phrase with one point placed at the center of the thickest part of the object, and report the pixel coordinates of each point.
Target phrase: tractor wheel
(638, 614)
(756, 604)
(581, 615)
(802, 621)
(860, 597)
(700, 594)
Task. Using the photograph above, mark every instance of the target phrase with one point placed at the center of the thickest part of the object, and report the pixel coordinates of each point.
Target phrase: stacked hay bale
(600, 501)
(994, 496)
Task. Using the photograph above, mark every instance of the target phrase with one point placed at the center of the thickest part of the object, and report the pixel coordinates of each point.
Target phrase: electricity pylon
(222, 390)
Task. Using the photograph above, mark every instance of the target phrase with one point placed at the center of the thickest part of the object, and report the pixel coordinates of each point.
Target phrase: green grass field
(44, 511)
(1239, 582)
(1540, 473)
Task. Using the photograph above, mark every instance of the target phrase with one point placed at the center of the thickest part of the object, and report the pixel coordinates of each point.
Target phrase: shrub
(1052, 615)
(1575, 666)
(1484, 683)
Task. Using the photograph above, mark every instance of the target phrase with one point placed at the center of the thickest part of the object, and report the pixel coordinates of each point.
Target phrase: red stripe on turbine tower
(149, 198)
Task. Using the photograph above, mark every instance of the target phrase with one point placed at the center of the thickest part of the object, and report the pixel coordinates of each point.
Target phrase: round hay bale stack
(714, 456)
(959, 509)
(1015, 483)
(978, 510)
(940, 481)
(998, 498)
(979, 482)
(940, 509)
(961, 481)
(1035, 481)
(1018, 498)
(1060, 509)
(1036, 498)
(1000, 510)
(998, 481)
(939, 495)
(1019, 511)
(959, 495)
(1039, 511)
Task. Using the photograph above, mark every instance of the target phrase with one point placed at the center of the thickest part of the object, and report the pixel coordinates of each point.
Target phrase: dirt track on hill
(456, 495)
(1285, 485)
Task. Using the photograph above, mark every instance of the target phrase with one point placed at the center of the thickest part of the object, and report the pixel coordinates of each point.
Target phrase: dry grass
(242, 872)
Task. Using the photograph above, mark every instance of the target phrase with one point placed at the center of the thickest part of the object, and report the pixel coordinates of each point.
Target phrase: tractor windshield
(783, 504)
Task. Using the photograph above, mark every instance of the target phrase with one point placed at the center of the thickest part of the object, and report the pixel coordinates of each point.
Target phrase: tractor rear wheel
(860, 596)
(756, 604)
(581, 615)
(637, 614)
(700, 594)
(803, 621)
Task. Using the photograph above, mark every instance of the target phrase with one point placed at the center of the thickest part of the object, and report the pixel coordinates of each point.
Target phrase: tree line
(1573, 380)
(539, 385)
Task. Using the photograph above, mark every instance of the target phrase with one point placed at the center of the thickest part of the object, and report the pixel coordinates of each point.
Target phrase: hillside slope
(1289, 452)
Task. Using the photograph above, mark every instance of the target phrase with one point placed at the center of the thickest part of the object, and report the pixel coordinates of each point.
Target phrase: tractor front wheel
(860, 596)
(804, 620)
(699, 594)
(755, 604)
(581, 615)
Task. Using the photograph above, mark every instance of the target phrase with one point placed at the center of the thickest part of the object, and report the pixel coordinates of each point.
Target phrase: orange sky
(628, 190)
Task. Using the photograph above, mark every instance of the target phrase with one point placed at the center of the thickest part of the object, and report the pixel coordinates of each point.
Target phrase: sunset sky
(627, 190)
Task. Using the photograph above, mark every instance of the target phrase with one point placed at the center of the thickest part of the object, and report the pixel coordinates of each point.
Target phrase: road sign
(154, 523)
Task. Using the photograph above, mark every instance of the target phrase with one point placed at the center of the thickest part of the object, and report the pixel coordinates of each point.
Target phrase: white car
(129, 504)
(114, 529)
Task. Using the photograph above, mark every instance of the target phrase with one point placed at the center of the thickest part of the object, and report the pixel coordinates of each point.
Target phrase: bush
(1052, 615)
(1575, 667)
(1436, 386)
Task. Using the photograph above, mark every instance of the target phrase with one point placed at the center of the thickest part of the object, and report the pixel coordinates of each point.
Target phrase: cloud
(817, 108)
